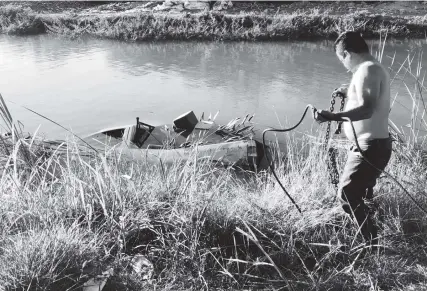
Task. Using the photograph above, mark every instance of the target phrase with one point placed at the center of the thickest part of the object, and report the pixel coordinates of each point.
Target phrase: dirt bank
(179, 20)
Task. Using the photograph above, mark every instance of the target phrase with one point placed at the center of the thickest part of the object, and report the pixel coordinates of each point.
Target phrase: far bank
(178, 20)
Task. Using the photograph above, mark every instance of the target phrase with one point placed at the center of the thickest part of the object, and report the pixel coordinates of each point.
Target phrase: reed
(209, 25)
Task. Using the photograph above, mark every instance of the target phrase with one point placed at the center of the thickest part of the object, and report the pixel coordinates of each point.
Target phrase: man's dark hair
(351, 41)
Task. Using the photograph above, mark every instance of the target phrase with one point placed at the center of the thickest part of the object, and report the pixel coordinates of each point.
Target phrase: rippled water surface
(91, 84)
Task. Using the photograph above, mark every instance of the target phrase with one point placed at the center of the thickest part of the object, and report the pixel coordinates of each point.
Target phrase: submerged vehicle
(228, 145)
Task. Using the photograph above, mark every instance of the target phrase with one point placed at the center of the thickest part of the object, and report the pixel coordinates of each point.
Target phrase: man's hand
(343, 89)
(323, 115)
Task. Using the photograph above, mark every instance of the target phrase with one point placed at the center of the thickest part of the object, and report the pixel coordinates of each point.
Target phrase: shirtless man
(367, 106)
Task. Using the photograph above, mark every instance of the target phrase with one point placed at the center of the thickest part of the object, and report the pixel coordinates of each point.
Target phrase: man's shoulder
(371, 68)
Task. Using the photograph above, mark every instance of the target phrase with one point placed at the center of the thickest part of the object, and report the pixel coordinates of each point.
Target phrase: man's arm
(367, 88)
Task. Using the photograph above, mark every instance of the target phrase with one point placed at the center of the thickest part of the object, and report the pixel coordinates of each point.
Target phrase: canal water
(90, 84)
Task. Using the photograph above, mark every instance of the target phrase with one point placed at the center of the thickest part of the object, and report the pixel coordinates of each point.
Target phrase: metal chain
(328, 127)
(333, 151)
(338, 130)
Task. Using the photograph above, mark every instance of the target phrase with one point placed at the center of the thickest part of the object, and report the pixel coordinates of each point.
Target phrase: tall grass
(19, 20)
(68, 214)
(151, 25)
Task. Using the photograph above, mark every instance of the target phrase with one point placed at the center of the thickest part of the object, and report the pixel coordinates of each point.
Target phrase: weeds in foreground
(200, 226)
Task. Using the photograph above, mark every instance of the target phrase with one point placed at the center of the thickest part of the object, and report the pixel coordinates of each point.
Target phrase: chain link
(338, 130)
(328, 127)
(333, 151)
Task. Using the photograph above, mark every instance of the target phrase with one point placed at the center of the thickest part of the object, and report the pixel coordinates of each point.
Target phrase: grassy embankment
(139, 23)
(202, 226)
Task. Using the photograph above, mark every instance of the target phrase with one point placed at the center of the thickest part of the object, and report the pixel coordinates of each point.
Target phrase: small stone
(142, 267)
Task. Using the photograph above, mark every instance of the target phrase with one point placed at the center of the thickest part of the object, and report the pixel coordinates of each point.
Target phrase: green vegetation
(138, 24)
(67, 214)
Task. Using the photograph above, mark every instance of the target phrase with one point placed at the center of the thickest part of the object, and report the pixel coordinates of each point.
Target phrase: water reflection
(246, 70)
(56, 52)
